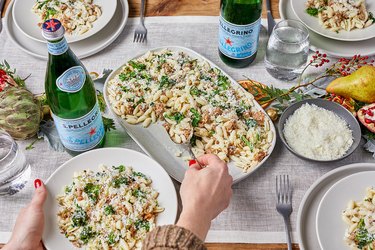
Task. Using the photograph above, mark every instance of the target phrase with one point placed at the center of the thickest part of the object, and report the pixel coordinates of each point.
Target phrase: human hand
(28, 230)
(205, 193)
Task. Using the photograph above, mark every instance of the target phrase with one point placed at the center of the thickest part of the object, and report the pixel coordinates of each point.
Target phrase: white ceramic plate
(27, 21)
(53, 239)
(82, 49)
(299, 8)
(330, 227)
(157, 143)
(330, 47)
(306, 218)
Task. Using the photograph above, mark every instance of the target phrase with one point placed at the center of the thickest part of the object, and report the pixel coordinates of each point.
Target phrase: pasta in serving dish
(360, 219)
(113, 208)
(196, 103)
(339, 15)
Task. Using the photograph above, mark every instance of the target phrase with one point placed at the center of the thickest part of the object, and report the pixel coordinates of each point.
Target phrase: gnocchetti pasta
(112, 208)
(195, 103)
(339, 15)
(360, 219)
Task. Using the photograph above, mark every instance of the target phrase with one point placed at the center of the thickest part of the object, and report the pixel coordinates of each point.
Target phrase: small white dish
(331, 47)
(161, 182)
(306, 218)
(330, 227)
(27, 21)
(82, 49)
(299, 8)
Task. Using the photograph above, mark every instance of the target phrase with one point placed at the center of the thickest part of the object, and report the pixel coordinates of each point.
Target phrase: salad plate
(157, 143)
(335, 200)
(326, 45)
(27, 21)
(83, 48)
(299, 9)
(161, 182)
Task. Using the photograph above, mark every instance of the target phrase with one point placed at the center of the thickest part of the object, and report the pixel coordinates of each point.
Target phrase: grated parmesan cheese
(317, 133)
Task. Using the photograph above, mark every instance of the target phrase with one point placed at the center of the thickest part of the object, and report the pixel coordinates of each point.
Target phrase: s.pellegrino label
(83, 133)
(72, 80)
(238, 41)
(57, 48)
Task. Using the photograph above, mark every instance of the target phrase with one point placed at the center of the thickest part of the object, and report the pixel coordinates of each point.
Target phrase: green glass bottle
(240, 23)
(71, 94)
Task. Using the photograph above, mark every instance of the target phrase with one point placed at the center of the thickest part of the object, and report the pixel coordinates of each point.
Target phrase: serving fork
(140, 33)
(284, 203)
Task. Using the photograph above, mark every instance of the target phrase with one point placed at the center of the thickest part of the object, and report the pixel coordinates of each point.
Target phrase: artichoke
(20, 112)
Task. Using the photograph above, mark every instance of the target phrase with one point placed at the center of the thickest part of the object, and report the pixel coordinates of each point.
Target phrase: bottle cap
(53, 30)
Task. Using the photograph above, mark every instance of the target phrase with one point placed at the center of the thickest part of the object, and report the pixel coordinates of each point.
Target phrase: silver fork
(284, 203)
(140, 33)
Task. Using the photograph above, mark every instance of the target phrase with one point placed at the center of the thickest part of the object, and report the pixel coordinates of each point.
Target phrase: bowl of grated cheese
(319, 130)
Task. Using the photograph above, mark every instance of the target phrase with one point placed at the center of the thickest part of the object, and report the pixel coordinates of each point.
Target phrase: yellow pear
(360, 85)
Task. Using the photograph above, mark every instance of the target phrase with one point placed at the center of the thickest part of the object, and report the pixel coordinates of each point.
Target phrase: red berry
(316, 66)
(324, 55)
(372, 61)
(364, 62)
(317, 52)
(347, 69)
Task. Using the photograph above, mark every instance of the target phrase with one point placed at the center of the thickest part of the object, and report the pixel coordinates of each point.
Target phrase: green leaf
(86, 234)
(109, 124)
(178, 117)
(142, 224)
(312, 11)
(79, 217)
(196, 117)
(117, 182)
(138, 66)
(247, 142)
(92, 191)
(109, 210)
(120, 168)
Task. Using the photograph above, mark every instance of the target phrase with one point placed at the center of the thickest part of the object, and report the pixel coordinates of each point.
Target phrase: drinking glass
(14, 170)
(287, 50)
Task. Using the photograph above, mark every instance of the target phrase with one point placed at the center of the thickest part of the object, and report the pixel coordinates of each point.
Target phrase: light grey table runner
(251, 216)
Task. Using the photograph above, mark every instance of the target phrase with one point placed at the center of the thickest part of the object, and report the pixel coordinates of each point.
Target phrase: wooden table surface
(198, 8)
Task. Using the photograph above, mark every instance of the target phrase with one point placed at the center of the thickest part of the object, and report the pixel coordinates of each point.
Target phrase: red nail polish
(191, 162)
(37, 183)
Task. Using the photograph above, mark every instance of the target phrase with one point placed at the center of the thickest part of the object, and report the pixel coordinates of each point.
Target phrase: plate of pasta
(80, 18)
(107, 199)
(348, 20)
(345, 217)
(172, 96)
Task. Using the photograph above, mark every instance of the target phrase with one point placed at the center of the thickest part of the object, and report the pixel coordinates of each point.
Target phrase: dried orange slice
(255, 88)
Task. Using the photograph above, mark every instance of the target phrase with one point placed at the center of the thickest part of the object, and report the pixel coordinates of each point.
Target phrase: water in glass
(287, 50)
(14, 170)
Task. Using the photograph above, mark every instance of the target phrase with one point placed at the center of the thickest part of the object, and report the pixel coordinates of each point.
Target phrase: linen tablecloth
(251, 216)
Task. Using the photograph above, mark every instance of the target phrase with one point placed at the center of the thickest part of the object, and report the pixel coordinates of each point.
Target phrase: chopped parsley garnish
(139, 174)
(50, 13)
(67, 189)
(166, 82)
(127, 76)
(138, 66)
(363, 237)
(371, 17)
(92, 191)
(125, 88)
(120, 168)
(250, 123)
(177, 117)
(142, 224)
(109, 210)
(139, 193)
(112, 238)
(195, 118)
(141, 100)
(223, 82)
(79, 217)
(86, 234)
(312, 11)
(193, 140)
(247, 142)
(197, 92)
(120, 180)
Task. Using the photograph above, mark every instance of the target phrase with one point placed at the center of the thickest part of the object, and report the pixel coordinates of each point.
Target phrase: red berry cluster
(318, 59)
(346, 66)
(3, 79)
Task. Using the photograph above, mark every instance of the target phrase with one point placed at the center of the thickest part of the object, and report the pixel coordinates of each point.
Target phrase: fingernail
(191, 162)
(37, 183)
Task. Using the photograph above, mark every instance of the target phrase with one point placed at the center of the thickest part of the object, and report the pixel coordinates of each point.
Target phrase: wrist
(199, 225)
